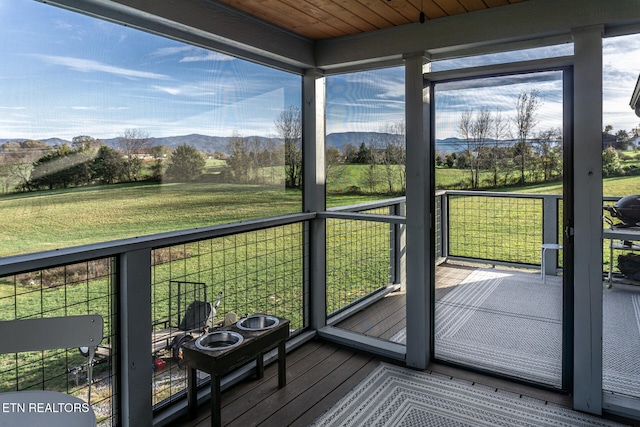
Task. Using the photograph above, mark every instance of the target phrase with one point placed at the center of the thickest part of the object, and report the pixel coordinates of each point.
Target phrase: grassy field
(255, 270)
(46, 220)
(259, 271)
(49, 220)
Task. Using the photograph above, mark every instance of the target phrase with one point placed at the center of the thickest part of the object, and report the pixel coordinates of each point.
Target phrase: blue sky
(65, 74)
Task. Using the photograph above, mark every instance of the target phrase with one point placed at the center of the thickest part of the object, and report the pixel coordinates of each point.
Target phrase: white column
(587, 378)
(420, 201)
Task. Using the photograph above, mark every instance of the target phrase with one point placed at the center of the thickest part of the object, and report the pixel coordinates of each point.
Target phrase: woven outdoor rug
(399, 397)
(510, 322)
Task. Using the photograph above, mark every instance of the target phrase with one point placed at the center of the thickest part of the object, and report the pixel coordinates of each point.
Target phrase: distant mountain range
(209, 144)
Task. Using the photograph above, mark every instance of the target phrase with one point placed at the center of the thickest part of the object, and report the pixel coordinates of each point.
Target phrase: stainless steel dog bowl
(219, 340)
(258, 322)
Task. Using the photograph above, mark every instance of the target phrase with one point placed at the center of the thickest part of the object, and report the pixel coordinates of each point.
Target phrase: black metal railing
(258, 265)
(504, 228)
(255, 271)
(363, 251)
(87, 287)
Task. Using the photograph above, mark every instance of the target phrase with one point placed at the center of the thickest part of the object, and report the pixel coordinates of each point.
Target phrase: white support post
(313, 141)
(398, 243)
(550, 233)
(134, 351)
(587, 378)
(419, 256)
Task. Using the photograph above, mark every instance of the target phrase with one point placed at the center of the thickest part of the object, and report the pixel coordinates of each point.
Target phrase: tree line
(34, 165)
(502, 151)
(507, 147)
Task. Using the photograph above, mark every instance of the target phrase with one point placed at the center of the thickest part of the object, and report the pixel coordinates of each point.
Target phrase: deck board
(319, 391)
(305, 377)
(320, 373)
(388, 314)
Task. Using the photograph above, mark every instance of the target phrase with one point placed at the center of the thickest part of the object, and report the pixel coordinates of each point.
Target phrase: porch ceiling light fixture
(635, 98)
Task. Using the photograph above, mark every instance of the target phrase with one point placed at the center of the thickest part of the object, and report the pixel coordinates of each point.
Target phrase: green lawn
(259, 271)
(55, 219)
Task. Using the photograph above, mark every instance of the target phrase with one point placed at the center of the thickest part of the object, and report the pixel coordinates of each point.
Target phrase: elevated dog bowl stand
(218, 362)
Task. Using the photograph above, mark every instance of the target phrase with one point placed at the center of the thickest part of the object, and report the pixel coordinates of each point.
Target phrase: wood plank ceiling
(325, 19)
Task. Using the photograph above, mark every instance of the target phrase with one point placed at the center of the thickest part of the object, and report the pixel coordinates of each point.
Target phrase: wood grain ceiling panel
(451, 7)
(323, 19)
(320, 14)
(283, 15)
(384, 9)
(408, 9)
(365, 13)
(471, 5)
(496, 3)
(432, 10)
(337, 12)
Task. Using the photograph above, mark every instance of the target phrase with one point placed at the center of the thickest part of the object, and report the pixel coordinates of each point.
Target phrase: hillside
(209, 144)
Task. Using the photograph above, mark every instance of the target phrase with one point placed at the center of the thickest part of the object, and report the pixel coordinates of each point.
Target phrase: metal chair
(49, 408)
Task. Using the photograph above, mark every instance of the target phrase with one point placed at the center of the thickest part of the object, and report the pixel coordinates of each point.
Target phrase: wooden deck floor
(320, 373)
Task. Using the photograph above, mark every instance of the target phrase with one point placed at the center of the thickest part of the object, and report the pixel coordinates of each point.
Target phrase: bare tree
(133, 143)
(273, 155)
(394, 155)
(373, 159)
(548, 151)
(465, 126)
(256, 157)
(16, 162)
(85, 142)
(525, 121)
(289, 126)
(480, 129)
(401, 143)
(499, 131)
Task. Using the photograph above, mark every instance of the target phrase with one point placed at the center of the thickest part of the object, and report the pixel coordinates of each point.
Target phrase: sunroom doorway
(501, 141)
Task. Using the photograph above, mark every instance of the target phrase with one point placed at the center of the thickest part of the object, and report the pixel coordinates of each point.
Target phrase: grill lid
(627, 210)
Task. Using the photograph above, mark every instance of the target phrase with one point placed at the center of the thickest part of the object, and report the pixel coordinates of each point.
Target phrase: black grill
(626, 210)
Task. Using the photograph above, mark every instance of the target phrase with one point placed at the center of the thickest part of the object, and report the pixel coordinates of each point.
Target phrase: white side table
(545, 248)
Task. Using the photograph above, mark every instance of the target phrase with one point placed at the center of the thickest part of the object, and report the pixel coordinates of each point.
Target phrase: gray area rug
(509, 322)
(394, 396)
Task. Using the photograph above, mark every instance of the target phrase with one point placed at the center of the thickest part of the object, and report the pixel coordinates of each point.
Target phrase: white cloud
(88, 65)
(173, 50)
(206, 55)
(191, 90)
(169, 90)
(62, 25)
(191, 54)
